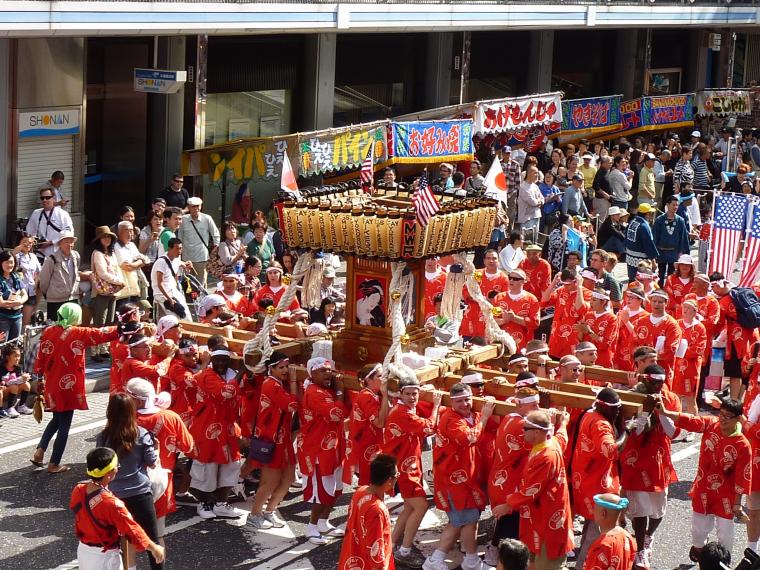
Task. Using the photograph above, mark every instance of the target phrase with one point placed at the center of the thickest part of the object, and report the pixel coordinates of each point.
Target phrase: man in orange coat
(457, 490)
(594, 465)
(537, 270)
(629, 318)
(709, 312)
(600, 327)
(542, 498)
(661, 331)
(137, 363)
(435, 281)
(689, 361)
(569, 295)
(520, 310)
(492, 282)
(368, 531)
(615, 547)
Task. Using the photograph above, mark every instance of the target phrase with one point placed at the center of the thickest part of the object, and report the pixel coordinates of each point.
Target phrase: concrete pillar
(166, 117)
(695, 74)
(539, 79)
(438, 69)
(624, 75)
(6, 162)
(319, 92)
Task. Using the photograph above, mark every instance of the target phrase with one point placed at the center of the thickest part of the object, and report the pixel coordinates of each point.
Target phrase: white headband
(588, 275)
(659, 293)
(587, 349)
(598, 295)
(526, 382)
(462, 396)
(188, 350)
(221, 352)
(537, 351)
(139, 342)
(644, 275)
(636, 294)
(657, 377)
(528, 399)
(611, 405)
(376, 368)
(536, 426)
(519, 359)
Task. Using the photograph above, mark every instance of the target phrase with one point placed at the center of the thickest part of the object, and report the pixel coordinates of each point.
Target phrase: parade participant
(518, 363)
(235, 300)
(586, 353)
(709, 314)
(513, 555)
(689, 361)
(752, 430)
(510, 457)
(724, 473)
(214, 427)
(646, 467)
(570, 369)
(615, 547)
(435, 281)
(444, 330)
(365, 428)
(671, 237)
(129, 316)
(172, 437)
(487, 442)
(647, 280)
(738, 338)
(539, 350)
(661, 331)
(521, 312)
(137, 365)
(594, 463)
(181, 378)
(273, 424)
(639, 243)
(537, 270)
(570, 301)
(273, 290)
(60, 363)
(100, 519)
(600, 327)
(169, 329)
(456, 486)
(404, 430)
(368, 531)
(678, 285)
(321, 447)
(491, 279)
(542, 497)
(630, 318)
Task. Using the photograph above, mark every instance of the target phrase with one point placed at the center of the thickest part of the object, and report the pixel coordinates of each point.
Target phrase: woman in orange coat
(60, 361)
(688, 367)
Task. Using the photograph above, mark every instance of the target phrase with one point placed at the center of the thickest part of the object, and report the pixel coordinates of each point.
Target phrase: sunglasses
(479, 385)
(46, 197)
(178, 181)
(516, 278)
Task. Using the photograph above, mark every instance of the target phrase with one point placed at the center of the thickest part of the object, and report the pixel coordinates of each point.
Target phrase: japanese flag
(496, 182)
(288, 180)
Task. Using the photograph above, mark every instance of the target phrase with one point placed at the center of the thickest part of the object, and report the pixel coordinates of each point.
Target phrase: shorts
(161, 526)
(93, 558)
(320, 488)
(458, 518)
(31, 301)
(753, 501)
(646, 504)
(542, 562)
(732, 367)
(208, 477)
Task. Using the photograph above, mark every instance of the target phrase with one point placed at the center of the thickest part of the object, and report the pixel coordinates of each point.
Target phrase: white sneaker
(327, 528)
(476, 565)
(24, 410)
(227, 511)
(642, 560)
(649, 539)
(275, 520)
(492, 555)
(12, 413)
(206, 511)
(315, 537)
(259, 522)
(434, 565)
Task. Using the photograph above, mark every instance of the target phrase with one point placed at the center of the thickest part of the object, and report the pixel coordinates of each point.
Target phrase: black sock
(11, 401)
(23, 397)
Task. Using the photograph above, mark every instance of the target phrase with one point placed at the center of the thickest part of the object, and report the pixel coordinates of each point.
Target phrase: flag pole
(710, 243)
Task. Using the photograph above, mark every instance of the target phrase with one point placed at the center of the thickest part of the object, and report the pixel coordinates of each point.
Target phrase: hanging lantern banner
(341, 150)
(428, 141)
(582, 117)
(519, 113)
(723, 102)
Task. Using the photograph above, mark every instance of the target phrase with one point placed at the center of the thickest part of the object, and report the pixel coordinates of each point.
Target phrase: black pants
(507, 526)
(142, 509)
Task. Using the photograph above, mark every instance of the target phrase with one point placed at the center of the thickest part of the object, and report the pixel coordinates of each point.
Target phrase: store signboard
(723, 102)
(48, 122)
(427, 141)
(158, 80)
(519, 113)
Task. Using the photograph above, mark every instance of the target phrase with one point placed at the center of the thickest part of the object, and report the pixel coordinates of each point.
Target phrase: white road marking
(685, 453)
(31, 442)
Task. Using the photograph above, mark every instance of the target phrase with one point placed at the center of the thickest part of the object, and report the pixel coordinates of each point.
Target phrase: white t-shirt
(168, 281)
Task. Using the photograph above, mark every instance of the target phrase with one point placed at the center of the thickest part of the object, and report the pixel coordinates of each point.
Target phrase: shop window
(365, 103)
(247, 114)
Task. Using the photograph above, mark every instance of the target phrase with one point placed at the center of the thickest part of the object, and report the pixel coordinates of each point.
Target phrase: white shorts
(208, 477)
(322, 488)
(646, 504)
(93, 558)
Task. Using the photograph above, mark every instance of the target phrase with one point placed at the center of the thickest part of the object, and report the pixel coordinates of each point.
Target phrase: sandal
(58, 469)
(36, 463)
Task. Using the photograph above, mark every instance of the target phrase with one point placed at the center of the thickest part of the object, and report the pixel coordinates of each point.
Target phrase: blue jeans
(11, 326)
(60, 423)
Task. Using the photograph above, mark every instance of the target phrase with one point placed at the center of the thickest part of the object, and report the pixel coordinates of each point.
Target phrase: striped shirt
(701, 178)
(683, 174)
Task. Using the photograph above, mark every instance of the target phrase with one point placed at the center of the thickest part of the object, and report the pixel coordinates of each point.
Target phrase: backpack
(747, 307)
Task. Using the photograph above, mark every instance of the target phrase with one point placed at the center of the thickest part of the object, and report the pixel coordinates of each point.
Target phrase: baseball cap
(696, 134)
(329, 272)
(646, 208)
(587, 156)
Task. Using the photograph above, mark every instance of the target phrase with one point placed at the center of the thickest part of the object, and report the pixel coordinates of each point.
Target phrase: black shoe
(694, 553)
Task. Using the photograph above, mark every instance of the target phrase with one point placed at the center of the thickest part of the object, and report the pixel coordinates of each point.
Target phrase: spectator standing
(601, 187)
(611, 234)
(684, 171)
(620, 181)
(552, 201)
(172, 222)
(529, 201)
(107, 282)
(149, 236)
(127, 214)
(639, 243)
(572, 200)
(29, 266)
(512, 254)
(55, 183)
(475, 180)
(59, 277)
(168, 297)
(199, 235)
(513, 176)
(13, 296)
(588, 170)
(131, 262)
(48, 222)
(647, 191)
(174, 194)
(700, 157)
(261, 247)
(671, 237)
(231, 251)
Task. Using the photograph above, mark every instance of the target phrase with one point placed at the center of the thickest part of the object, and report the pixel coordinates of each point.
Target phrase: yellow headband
(103, 471)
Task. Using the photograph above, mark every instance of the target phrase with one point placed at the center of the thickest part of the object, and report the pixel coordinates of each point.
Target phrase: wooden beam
(592, 373)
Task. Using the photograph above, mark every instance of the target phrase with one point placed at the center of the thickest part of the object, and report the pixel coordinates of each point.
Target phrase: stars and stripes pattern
(367, 170)
(728, 230)
(424, 201)
(751, 270)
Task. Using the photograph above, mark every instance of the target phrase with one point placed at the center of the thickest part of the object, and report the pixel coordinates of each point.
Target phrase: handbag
(260, 449)
(159, 480)
(38, 408)
(103, 287)
(214, 266)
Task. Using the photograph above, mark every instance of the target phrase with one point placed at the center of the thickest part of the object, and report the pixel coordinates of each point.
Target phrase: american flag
(752, 251)
(728, 229)
(367, 171)
(424, 201)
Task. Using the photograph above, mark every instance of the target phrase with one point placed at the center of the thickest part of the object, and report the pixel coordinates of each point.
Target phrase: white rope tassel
(311, 295)
(262, 340)
(494, 334)
(452, 295)
(392, 365)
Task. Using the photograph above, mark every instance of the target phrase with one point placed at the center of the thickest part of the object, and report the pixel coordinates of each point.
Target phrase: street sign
(159, 80)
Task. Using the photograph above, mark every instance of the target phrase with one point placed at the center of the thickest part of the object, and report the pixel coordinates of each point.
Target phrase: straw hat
(101, 231)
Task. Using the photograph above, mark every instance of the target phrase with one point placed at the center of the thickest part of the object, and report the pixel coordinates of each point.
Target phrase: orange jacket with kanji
(134, 368)
(455, 462)
(321, 438)
(61, 359)
(677, 291)
(627, 341)
(538, 276)
(688, 368)
(183, 391)
(613, 550)
(472, 322)
(432, 288)
(738, 339)
(239, 303)
(544, 501)
(404, 430)
(119, 353)
(277, 408)
(367, 544)
(605, 325)
(525, 306)
(214, 424)
(510, 458)
(365, 439)
(709, 309)
(647, 333)
(564, 337)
